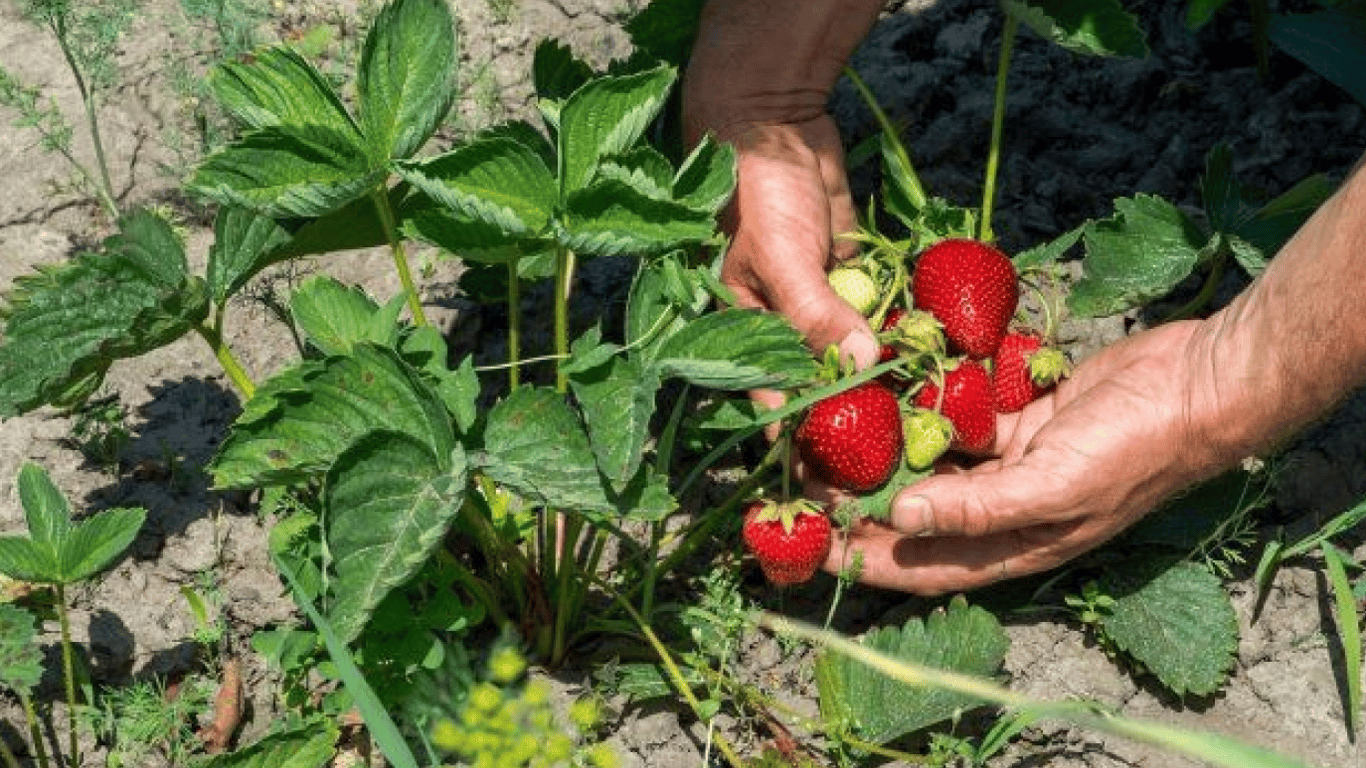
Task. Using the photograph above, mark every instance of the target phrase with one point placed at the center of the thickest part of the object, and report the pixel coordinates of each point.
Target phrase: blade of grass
(1349, 631)
(382, 727)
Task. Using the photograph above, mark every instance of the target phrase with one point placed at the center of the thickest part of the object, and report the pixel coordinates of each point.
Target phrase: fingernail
(915, 516)
(861, 346)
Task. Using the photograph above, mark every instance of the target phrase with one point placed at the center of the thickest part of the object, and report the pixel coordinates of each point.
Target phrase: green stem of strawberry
(380, 196)
(213, 336)
(1012, 26)
(1206, 294)
(564, 281)
(916, 189)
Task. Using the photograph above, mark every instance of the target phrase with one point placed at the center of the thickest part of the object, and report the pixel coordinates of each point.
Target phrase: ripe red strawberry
(972, 289)
(968, 402)
(853, 440)
(1024, 370)
(789, 539)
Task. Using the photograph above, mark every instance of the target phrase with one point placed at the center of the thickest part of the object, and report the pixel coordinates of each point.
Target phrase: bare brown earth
(1081, 132)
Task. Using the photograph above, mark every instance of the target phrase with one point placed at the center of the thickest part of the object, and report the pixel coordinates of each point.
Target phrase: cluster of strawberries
(960, 364)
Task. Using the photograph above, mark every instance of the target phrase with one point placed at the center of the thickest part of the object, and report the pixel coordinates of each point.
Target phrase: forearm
(758, 61)
(1294, 343)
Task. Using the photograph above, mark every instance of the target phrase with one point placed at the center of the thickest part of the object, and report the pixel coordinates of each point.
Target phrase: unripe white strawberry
(856, 287)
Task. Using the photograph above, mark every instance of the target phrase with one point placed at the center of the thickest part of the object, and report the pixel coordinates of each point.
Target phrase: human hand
(1070, 471)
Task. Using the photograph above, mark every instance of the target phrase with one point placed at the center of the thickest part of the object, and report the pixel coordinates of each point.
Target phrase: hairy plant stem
(917, 190)
(35, 735)
(564, 282)
(104, 189)
(998, 119)
(10, 760)
(69, 675)
(213, 336)
(387, 220)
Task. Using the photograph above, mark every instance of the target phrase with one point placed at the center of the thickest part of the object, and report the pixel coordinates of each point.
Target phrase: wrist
(759, 62)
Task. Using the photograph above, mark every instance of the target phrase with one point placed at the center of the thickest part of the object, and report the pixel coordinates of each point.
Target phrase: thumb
(990, 498)
(824, 318)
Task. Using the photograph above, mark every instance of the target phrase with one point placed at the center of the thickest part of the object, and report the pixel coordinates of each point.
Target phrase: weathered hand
(1071, 470)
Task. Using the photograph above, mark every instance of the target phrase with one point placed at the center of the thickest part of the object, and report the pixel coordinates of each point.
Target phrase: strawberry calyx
(1048, 366)
(786, 512)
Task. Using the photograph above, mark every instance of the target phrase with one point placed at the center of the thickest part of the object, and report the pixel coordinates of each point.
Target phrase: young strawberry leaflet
(1094, 27)
(244, 242)
(334, 318)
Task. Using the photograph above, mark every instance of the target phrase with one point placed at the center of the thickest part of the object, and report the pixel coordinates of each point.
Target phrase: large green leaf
(66, 324)
(1176, 620)
(879, 709)
(148, 244)
(556, 72)
(288, 171)
(607, 116)
(336, 317)
(389, 502)
(666, 29)
(406, 80)
(1332, 42)
(301, 420)
(1139, 254)
(58, 550)
(1094, 27)
(275, 87)
(612, 218)
(496, 180)
(535, 444)
(308, 746)
(737, 349)
(243, 245)
(618, 400)
(353, 226)
(706, 179)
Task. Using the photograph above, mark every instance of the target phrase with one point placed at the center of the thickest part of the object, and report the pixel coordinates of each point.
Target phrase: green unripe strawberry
(856, 287)
(928, 435)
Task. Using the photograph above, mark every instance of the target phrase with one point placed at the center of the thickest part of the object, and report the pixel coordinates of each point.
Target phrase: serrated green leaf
(494, 180)
(425, 349)
(469, 239)
(617, 399)
(46, 510)
(1049, 252)
(666, 29)
(1176, 620)
(1093, 27)
(1330, 42)
(243, 242)
(879, 709)
(706, 179)
(353, 226)
(335, 317)
(556, 72)
(301, 420)
(1223, 199)
(642, 682)
(643, 169)
(21, 657)
(611, 218)
(406, 78)
(275, 87)
(877, 504)
(535, 444)
(311, 746)
(288, 172)
(1273, 224)
(146, 242)
(66, 324)
(389, 503)
(607, 116)
(22, 560)
(1248, 256)
(1139, 254)
(653, 310)
(1194, 517)
(57, 550)
(96, 542)
(737, 349)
